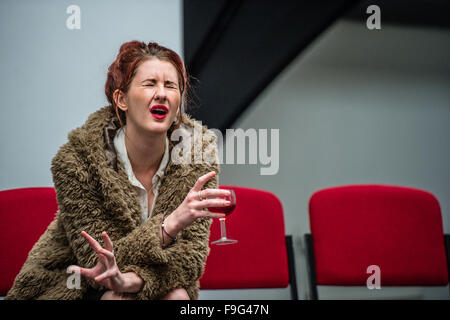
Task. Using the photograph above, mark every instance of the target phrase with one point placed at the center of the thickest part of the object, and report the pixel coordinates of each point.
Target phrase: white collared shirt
(122, 155)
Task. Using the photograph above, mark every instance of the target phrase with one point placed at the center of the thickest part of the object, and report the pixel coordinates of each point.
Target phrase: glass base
(224, 241)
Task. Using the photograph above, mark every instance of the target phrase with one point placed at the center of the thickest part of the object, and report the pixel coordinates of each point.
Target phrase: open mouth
(159, 111)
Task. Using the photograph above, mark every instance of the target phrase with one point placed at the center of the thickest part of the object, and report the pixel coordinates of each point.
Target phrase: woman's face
(153, 97)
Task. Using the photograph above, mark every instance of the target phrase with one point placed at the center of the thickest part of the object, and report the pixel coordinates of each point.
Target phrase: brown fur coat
(95, 195)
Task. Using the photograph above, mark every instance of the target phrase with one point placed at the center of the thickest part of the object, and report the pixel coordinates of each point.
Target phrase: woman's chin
(158, 127)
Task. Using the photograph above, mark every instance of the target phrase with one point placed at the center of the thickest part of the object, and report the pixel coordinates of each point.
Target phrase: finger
(214, 193)
(107, 241)
(99, 268)
(106, 274)
(104, 261)
(209, 214)
(94, 243)
(89, 273)
(199, 205)
(106, 253)
(202, 180)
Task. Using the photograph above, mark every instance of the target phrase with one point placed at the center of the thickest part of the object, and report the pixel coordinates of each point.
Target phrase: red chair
(398, 229)
(263, 256)
(24, 216)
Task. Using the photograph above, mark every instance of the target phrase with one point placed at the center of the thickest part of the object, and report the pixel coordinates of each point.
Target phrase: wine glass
(227, 210)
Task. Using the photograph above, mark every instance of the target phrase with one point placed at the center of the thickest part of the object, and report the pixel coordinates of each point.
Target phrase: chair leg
(311, 267)
(447, 251)
(291, 265)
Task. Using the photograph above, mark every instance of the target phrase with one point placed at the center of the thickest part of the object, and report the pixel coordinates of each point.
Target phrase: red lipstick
(159, 111)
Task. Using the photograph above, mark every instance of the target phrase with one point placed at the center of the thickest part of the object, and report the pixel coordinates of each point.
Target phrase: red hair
(124, 68)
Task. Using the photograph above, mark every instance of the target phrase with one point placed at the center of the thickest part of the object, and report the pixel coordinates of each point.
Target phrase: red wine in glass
(227, 210)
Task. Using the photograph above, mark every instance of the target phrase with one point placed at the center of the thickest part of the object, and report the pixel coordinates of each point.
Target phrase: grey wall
(359, 106)
(52, 78)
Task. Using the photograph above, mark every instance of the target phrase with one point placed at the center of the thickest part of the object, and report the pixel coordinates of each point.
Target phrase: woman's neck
(144, 151)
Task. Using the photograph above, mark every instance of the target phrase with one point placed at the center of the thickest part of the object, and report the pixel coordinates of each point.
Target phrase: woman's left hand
(106, 272)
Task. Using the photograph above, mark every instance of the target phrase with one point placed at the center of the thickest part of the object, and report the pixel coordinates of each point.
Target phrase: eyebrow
(154, 80)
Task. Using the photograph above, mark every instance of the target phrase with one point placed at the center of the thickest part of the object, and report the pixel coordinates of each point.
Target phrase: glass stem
(223, 229)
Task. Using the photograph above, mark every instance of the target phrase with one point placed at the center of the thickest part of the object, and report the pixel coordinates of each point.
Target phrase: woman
(130, 220)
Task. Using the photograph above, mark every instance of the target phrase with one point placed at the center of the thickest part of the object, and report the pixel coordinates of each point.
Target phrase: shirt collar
(119, 144)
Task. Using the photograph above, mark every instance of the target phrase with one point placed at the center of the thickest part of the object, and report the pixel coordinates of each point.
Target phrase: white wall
(358, 106)
(52, 78)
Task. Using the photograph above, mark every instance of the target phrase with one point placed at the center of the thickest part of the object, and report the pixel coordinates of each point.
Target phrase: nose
(160, 93)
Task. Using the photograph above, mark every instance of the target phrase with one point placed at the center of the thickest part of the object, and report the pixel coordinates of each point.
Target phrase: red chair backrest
(24, 216)
(259, 259)
(396, 228)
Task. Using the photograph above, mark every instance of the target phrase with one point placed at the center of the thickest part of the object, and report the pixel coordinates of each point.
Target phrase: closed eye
(170, 85)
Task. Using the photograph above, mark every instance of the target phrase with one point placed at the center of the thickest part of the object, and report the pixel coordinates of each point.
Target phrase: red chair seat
(24, 216)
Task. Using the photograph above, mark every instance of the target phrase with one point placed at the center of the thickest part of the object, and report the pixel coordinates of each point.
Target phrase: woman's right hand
(195, 206)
